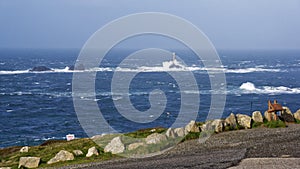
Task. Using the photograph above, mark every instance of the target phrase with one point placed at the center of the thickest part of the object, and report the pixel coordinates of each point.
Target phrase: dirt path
(219, 151)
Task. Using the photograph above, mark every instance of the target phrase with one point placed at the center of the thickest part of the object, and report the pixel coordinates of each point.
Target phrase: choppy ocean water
(37, 106)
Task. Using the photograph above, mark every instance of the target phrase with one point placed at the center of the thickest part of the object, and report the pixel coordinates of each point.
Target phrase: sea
(38, 106)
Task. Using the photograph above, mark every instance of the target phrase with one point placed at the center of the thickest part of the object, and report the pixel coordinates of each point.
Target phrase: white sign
(70, 137)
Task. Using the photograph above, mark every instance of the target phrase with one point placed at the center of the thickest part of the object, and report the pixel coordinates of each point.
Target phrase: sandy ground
(254, 146)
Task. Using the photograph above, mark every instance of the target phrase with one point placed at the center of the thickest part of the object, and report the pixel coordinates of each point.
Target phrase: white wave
(249, 87)
(250, 70)
(164, 68)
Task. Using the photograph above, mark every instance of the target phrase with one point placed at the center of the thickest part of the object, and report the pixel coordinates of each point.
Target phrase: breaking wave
(148, 69)
(249, 87)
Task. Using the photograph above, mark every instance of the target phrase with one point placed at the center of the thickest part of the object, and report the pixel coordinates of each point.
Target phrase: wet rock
(192, 127)
(24, 149)
(257, 117)
(29, 162)
(62, 155)
(92, 151)
(155, 138)
(115, 146)
(244, 120)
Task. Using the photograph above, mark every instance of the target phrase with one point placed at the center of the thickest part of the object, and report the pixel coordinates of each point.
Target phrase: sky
(229, 24)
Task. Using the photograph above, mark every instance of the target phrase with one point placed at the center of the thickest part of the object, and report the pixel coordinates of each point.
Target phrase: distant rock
(40, 69)
(115, 146)
(77, 152)
(170, 133)
(270, 116)
(179, 132)
(231, 121)
(257, 117)
(29, 162)
(155, 138)
(24, 149)
(192, 127)
(297, 115)
(286, 115)
(5, 167)
(244, 120)
(79, 67)
(135, 146)
(92, 151)
(62, 155)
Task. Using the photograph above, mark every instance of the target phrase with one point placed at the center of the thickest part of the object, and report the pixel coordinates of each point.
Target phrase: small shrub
(274, 124)
(257, 124)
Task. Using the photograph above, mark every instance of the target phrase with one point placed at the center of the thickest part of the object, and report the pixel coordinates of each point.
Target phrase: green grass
(10, 156)
(145, 132)
(274, 124)
(257, 124)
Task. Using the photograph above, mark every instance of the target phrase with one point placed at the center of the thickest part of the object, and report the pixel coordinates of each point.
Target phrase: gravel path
(219, 151)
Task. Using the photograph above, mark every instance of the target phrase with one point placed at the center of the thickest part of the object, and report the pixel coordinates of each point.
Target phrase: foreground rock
(5, 167)
(244, 120)
(214, 126)
(24, 149)
(62, 155)
(115, 146)
(179, 132)
(231, 121)
(134, 146)
(257, 117)
(92, 151)
(29, 162)
(270, 116)
(297, 115)
(286, 115)
(77, 152)
(192, 127)
(170, 133)
(155, 138)
(40, 69)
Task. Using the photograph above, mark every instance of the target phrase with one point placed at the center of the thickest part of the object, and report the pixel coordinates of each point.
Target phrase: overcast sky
(229, 24)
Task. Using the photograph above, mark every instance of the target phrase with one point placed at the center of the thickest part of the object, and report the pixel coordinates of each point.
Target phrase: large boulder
(24, 149)
(77, 152)
(192, 127)
(92, 151)
(231, 121)
(115, 146)
(297, 115)
(286, 115)
(62, 155)
(270, 116)
(29, 162)
(244, 120)
(135, 145)
(218, 125)
(40, 69)
(155, 138)
(170, 133)
(257, 117)
(213, 125)
(179, 132)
